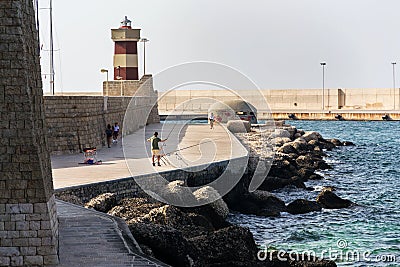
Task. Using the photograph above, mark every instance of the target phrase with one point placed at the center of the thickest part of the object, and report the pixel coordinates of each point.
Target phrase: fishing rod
(166, 162)
(178, 150)
(173, 128)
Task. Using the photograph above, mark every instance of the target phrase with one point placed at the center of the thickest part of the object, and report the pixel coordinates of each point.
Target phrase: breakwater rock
(295, 157)
(329, 200)
(198, 236)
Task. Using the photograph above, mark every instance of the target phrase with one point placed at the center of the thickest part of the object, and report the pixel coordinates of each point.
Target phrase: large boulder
(283, 169)
(312, 162)
(208, 212)
(334, 141)
(130, 208)
(166, 243)
(215, 212)
(306, 161)
(324, 144)
(261, 203)
(308, 174)
(329, 200)
(267, 200)
(300, 145)
(103, 202)
(288, 149)
(207, 192)
(292, 130)
(348, 143)
(280, 141)
(238, 126)
(272, 183)
(308, 136)
(232, 246)
(297, 135)
(189, 224)
(177, 192)
(280, 133)
(301, 206)
(246, 206)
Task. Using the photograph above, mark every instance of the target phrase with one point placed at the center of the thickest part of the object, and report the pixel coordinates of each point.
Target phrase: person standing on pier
(211, 119)
(155, 149)
(109, 134)
(116, 133)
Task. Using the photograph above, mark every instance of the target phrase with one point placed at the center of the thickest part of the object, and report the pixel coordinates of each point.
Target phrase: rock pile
(198, 236)
(296, 155)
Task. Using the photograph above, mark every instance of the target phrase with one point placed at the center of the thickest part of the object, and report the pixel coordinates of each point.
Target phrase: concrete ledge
(127, 187)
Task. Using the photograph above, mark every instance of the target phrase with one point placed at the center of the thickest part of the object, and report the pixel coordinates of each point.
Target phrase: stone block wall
(144, 87)
(76, 122)
(28, 219)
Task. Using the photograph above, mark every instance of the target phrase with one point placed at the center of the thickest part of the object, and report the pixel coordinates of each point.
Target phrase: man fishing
(155, 149)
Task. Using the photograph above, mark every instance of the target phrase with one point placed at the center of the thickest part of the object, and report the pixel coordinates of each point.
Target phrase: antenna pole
(51, 49)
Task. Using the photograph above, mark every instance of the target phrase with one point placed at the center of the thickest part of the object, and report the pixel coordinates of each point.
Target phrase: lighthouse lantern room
(125, 55)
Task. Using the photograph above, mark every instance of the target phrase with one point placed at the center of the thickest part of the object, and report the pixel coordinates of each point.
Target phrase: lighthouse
(125, 54)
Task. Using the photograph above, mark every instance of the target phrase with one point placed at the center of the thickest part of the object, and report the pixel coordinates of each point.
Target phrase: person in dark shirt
(109, 135)
(155, 149)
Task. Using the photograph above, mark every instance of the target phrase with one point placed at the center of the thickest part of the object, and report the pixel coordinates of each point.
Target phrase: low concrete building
(233, 110)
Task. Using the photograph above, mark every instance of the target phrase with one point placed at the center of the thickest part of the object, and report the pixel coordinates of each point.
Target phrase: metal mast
(51, 50)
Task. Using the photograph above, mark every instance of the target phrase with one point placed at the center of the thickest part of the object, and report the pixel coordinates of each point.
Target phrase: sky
(279, 44)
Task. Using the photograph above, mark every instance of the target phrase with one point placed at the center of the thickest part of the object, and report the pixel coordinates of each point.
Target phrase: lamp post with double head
(394, 86)
(323, 64)
(144, 41)
(120, 81)
(105, 71)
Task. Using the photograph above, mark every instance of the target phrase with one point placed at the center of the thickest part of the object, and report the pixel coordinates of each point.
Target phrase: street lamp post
(394, 86)
(144, 41)
(323, 64)
(105, 71)
(120, 80)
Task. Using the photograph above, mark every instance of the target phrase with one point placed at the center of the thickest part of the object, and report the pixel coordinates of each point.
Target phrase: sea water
(367, 174)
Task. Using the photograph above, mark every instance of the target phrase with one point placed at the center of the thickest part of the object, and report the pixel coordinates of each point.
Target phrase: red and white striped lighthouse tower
(125, 55)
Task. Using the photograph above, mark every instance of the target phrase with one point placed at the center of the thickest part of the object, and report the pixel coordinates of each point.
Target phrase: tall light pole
(52, 81)
(105, 71)
(394, 86)
(120, 80)
(144, 41)
(323, 64)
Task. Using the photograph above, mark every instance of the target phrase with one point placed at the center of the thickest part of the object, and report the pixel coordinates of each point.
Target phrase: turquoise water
(369, 175)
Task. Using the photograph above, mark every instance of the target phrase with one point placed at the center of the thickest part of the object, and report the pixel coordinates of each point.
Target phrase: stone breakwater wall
(76, 122)
(128, 187)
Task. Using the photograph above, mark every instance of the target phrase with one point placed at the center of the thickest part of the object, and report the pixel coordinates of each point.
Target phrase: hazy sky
(277, 43)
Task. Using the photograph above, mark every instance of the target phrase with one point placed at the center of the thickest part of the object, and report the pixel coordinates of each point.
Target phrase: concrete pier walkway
(187, 145)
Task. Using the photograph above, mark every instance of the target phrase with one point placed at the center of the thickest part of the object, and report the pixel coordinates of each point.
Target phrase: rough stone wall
(76, 122)
(129, 87)
(28, 219)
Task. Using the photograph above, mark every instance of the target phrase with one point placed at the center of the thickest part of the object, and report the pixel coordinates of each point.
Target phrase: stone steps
(93, 239)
